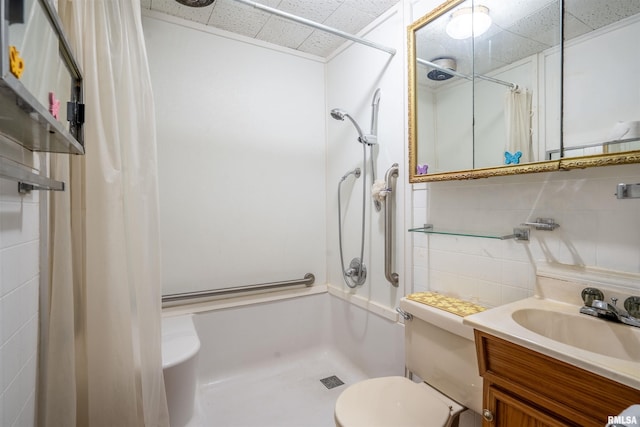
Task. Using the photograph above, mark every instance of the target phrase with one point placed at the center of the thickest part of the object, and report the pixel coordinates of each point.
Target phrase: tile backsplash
(596, 229)
(19, 284)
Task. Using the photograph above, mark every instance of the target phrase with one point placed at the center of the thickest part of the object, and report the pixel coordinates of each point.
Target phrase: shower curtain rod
(318, 26)
(464, 76)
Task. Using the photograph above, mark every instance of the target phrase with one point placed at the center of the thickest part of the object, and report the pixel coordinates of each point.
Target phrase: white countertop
(500, 323)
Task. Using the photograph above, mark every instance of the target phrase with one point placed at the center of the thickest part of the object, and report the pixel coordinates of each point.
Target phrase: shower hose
(360, 273)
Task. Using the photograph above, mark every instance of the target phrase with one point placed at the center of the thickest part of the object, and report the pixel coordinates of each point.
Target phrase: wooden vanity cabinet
(506, 410)
(525, 388)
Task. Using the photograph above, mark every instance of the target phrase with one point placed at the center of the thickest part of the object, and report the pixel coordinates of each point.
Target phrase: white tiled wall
(596, 229)
(19, 276)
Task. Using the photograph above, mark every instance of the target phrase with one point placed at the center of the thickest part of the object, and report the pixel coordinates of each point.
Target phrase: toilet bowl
(441, 351)
(180, 348)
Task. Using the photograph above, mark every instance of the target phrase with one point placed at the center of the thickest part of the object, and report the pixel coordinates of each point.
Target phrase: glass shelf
(518, 233)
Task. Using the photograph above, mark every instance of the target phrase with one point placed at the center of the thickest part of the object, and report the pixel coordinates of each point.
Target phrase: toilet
(180, 348)
(440, 350)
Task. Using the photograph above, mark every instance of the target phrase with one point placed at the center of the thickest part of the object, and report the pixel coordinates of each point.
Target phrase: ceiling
(520, 27)
(349, 16)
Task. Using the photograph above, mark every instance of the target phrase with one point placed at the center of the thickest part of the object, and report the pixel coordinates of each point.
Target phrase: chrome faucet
(595, 305)
(605, 309)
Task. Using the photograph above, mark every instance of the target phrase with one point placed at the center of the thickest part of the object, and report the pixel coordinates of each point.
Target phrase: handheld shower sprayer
(339, 114)
(356, 274)
(372, 137)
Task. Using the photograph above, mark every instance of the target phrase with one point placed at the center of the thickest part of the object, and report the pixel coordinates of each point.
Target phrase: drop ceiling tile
(371, 7)
(517, 10)
(284, 32)
(230, 15)
(238, 18)
(349, 19)
(172, 7)
(542, 25)
(317, 11)
(573, 27)
(321, 43)
(598, 13)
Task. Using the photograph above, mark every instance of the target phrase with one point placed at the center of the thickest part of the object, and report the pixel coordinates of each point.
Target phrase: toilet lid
(391, 401)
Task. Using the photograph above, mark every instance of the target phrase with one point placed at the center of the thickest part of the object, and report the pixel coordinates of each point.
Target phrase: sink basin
(587, 333)
(550, 323)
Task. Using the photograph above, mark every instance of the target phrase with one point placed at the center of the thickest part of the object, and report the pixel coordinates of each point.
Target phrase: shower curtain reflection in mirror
(518, 114)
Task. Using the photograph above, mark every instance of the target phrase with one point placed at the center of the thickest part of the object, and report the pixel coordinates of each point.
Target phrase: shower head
(439, 74)
(339, 114)
(195, 3)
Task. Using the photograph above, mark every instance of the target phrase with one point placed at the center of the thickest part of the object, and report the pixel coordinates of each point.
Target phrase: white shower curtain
(518, 113)
(102, 361)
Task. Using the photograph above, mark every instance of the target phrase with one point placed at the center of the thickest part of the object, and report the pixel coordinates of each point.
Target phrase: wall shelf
(518, 233)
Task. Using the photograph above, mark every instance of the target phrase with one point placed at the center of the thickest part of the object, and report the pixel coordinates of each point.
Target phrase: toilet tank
(441, 351)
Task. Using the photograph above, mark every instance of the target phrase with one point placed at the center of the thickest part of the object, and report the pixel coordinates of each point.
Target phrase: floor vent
(331, 382)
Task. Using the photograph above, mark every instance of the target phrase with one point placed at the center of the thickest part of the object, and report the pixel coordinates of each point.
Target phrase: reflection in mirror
(45, 71)
(485, 113)
(501, 98)
(521, 53)
(444, 99)
(601, 78)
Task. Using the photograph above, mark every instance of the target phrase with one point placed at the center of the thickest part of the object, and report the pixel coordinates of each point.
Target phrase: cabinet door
(507, 411)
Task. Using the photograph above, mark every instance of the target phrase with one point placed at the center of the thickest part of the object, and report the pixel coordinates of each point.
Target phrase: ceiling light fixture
(469, 21)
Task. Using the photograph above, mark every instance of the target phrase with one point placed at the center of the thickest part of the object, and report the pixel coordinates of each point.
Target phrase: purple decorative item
(422, 169)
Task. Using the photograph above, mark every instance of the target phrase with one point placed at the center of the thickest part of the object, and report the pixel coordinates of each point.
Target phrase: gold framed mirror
(525, 95)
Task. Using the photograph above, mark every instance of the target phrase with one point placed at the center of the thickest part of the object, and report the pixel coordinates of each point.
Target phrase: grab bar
(26, 179)
(392, 172)
(174, 299)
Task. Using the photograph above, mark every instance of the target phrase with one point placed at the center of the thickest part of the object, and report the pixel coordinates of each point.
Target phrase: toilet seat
(393, 401)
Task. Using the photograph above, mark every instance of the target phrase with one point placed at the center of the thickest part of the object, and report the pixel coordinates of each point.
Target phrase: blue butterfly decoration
(422, 169)
(512, 158)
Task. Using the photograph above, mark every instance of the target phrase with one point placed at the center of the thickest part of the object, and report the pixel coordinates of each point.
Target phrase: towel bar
(27, 180)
